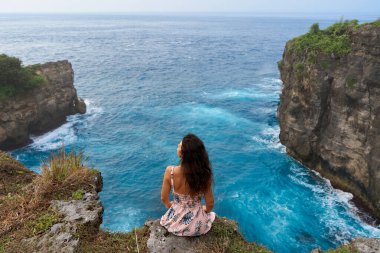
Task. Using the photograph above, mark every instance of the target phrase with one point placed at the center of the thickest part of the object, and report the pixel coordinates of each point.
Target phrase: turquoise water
(149, 80)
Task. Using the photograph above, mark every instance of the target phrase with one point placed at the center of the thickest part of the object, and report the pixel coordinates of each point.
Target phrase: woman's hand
(204, 208)
(169, 205)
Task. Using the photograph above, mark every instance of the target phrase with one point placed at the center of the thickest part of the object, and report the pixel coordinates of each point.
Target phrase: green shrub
(15, 78)
(78, 195)
(333, 40)
(374, 23)
(314, 28)
(43, 223)
(342, 27)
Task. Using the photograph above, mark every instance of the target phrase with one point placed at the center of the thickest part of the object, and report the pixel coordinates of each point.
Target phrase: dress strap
(172, 178)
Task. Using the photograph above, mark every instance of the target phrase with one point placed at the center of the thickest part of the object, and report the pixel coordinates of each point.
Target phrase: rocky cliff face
(40, 109)
(329, 110)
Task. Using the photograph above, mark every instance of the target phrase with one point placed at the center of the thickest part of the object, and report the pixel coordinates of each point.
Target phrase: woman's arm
(209, 199)
(165, 191)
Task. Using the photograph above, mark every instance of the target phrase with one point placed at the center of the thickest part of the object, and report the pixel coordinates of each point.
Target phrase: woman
(189, 181)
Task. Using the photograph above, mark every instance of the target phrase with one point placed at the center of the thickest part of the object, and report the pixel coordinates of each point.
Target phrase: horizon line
(191, 12)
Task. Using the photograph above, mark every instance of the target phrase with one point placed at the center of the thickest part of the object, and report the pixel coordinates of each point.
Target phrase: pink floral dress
(186, 216)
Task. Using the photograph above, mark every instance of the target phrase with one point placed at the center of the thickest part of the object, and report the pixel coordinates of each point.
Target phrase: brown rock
(40, 109)
(330, 118)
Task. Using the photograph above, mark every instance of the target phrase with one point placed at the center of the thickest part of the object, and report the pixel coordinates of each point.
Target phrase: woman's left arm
(165, 191)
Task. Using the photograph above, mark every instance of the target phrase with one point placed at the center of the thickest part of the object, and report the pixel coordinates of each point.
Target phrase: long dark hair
(196, 164)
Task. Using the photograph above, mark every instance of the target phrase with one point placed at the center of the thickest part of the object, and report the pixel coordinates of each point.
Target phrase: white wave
(54, 139)
(273, 80)
(240, 94)
(200, 112)
(330, 198)
(265, 110)
(93, 111)
(66, 134)
(270, 138)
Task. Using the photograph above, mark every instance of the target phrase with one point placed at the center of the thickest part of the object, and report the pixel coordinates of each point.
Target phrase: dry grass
(13, 175)
(24, 210)
(62, 175)
(224, 237)
(344, 249)
(25, 196)
(106, 241)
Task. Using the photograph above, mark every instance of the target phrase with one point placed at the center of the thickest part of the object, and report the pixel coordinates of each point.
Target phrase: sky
(225, 6)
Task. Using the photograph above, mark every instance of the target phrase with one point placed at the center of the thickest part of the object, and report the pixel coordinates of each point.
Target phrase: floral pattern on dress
(177, 199)
(187, 218)
(171, 213)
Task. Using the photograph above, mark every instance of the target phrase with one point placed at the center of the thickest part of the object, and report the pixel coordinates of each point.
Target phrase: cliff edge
(41, 108)
(329, 109)
(59, 211)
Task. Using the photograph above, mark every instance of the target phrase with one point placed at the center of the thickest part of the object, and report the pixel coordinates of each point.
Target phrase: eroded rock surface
(329, 114)
(40, 109)
(359, 245)
(78, 216)
(161, 241)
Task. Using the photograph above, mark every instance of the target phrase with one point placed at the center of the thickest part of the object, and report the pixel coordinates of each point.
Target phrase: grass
(333, 40)
(319, 47)
(344, 249)
(62, 165)
(13, 176)
(224, 237)
(25, 211)
(374, 23)
(43, 223)
(77, 195)
(64, 176)
(25, 196)
(106, 241)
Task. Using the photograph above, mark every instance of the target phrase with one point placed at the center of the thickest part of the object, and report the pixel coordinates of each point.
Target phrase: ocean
(150, 79)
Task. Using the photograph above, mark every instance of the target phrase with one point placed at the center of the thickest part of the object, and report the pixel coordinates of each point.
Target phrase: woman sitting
(189, 181)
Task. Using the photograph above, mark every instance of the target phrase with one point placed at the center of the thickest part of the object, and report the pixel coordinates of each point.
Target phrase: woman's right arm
(209, 199)
(165, 190)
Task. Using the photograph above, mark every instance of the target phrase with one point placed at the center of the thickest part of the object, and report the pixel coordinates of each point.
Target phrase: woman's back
(186, 216)
(179, 184)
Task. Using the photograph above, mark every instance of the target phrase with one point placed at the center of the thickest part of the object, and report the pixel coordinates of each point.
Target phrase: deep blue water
(149, 80)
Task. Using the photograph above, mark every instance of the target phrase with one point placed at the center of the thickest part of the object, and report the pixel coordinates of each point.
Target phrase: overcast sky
(253, 6)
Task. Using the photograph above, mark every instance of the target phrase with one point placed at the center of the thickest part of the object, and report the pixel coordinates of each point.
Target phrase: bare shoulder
(168, 169)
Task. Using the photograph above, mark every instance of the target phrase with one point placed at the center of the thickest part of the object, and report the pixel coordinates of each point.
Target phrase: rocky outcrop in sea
(329, 110)
(40, 109)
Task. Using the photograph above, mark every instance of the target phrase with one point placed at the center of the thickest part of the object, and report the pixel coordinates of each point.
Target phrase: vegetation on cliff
(335, 41)
(16, 78)
(26, 211)
(25, 197)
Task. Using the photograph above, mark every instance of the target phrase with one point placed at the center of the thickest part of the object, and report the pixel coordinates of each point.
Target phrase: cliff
(329, 109)
(41, 108)
(60, 211)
